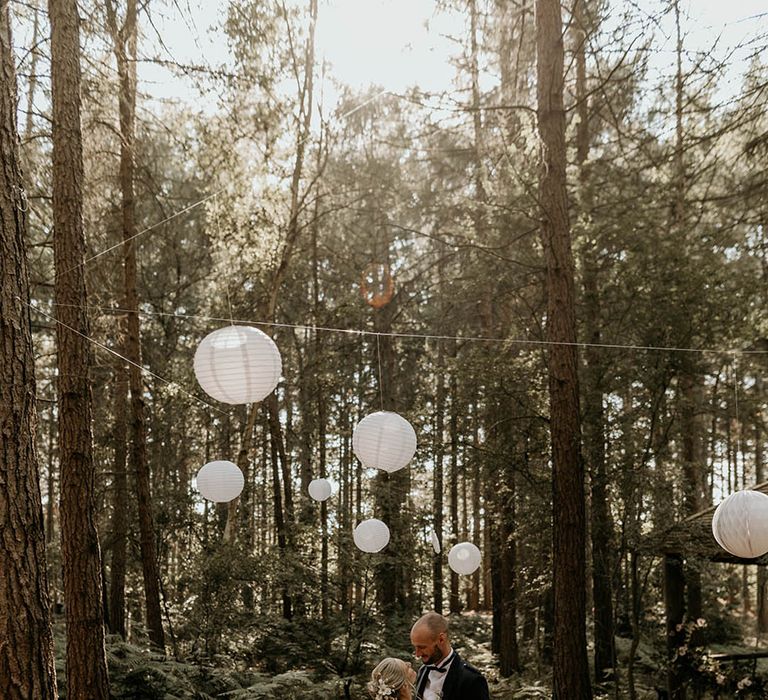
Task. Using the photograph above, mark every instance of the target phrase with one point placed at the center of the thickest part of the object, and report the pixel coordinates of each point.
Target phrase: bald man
(444, 675)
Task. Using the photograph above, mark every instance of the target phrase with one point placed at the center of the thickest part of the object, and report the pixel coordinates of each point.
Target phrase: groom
(444, 675)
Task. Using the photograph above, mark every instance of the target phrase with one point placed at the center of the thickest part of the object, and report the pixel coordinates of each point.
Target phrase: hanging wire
(381, 383)
(431, 336)
(207, 197)
(122, 357)
(218, 233)
(146, 230)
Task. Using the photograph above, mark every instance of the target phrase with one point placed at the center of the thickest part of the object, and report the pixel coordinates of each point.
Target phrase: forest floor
(139, 674)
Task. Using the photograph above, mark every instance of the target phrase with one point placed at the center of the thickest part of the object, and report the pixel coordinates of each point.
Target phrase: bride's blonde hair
(388, 678)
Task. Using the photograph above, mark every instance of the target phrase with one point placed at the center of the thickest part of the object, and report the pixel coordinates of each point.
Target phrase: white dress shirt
(433, 690)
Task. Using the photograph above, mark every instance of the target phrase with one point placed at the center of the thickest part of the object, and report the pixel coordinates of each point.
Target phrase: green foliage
(292, 684)
(703, 673)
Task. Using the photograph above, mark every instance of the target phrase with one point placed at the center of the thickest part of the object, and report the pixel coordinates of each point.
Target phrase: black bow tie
(439, 669)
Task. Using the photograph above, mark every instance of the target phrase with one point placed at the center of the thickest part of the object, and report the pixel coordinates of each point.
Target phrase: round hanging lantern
(740, 524)
(371, 535)
(220, 481)
(384, 440)
(435, 542)
(320, 489)
(238, 364)
(464, 558)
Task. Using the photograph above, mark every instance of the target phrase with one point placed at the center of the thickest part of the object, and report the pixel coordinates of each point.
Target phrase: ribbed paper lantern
(371, 535)
(435, 542)
(320, 489)
(384, 440)
(740, 524)
(464, 558)
(238, 364)
(220, 481)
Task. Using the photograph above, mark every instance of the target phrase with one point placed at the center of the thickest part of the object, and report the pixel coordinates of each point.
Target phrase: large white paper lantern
(464, 558)
(220, 481)
(384, 440)
(320, 489)
(371, 535)
(238, 364)
(740, 524)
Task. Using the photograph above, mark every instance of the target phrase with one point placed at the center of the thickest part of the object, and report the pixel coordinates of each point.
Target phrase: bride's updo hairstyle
(388, 678)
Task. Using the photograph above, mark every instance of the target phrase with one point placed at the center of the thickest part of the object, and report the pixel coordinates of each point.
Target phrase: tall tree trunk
(437, 481)
(26, 651)
(124, 40)
(86, 658)
(454, 601)
(32, 82)
(321, 408)
(594, 416)
(481, 233)
(277, 500)
(293, 232)
(759, 433)
(694, 466)
(50, 508)
(571, 670)
(119, 506)
(390, 490)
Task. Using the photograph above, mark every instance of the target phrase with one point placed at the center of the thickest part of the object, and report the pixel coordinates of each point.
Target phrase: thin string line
(218, 233)
(428, 336)
(117, 354)
(381, 384)
(146, 230)
(210, 196)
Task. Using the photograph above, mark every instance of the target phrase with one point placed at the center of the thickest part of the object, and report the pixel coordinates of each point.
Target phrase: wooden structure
(689, 538)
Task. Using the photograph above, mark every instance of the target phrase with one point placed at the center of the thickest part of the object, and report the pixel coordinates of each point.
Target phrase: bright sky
(392, 43)
(400, 43)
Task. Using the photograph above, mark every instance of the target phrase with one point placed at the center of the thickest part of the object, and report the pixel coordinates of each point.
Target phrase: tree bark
(119, 506)
(124, 40)
(762, 575)
(437, 481)
(26, 651)
(454, 601)
(594, 416)
(86, 658)
(571, 670)
(392, 576)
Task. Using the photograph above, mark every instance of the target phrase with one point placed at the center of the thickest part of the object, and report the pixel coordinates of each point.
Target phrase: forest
(553, 266)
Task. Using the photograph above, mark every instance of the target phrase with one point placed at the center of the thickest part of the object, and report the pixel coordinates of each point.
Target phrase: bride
(392, 679)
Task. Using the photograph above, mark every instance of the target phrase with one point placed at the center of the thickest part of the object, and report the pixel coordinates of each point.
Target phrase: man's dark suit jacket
(462, 682)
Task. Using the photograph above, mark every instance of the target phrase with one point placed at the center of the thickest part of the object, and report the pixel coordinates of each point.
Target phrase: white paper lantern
(384, 440)
(740, 524)
(220, 481)
(320, 489)
(238, 364)
(371, 535)
(464, 558)
(435, 542)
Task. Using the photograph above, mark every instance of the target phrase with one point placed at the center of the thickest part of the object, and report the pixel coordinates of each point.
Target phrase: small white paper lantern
(371, 535)
(220, 481)
(435, 542)
(238, 364)
(464, 558)
(320, 489)
(384, 440)
(740, 524)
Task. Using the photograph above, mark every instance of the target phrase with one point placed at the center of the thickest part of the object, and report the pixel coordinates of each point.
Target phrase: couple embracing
(444, 675)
